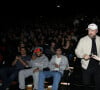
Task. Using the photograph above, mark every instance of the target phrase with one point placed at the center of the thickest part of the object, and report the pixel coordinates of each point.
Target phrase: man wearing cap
(38, 62)
(87, 46)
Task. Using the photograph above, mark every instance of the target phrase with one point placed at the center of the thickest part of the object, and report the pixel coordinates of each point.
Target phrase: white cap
(92, 26)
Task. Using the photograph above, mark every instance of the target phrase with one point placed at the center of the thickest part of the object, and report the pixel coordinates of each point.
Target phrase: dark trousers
(90, 75)
(8, 74)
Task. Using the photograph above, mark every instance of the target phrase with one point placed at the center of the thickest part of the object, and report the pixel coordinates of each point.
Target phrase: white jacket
(84, 47)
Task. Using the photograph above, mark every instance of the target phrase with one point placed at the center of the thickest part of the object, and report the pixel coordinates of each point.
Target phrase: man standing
(57, 65)
(90, 45)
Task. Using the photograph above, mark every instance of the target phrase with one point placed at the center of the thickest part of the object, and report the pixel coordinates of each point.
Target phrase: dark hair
(25, 49)
(58, 47)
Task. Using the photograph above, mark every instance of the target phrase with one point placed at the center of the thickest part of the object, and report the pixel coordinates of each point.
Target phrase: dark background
(50, 11)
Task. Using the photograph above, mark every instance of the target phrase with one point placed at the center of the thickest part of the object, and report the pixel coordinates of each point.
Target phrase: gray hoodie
(40, 62)
(63, 63)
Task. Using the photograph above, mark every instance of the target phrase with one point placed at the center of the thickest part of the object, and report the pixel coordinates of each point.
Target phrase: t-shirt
(24, 58)
(57, 61)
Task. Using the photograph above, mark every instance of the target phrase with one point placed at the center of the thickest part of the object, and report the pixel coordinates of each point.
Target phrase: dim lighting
(58, 6)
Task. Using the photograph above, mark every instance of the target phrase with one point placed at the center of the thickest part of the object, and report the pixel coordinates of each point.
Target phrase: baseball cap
(92, 26)
(38, 49)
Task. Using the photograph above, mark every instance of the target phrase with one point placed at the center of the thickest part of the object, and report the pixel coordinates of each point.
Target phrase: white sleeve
(79, 49)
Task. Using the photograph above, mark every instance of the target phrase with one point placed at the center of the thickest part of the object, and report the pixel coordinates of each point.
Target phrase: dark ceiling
(53, 10)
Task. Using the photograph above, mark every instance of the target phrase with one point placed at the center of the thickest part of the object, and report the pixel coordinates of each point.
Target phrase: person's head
(53, 44)
(92, 30)
(58, 50)
(23, 51)
(38, 51)
(22, 44)
(69, 37)
(33, 56)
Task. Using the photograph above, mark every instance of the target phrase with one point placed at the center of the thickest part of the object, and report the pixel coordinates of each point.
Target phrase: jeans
(46, 74)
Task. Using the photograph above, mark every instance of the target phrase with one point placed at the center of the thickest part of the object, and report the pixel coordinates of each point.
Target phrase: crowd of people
(47, 38)
(28, 51)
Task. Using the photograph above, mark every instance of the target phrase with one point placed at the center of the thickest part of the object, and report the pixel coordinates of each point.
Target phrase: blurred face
(92, 33)
(53, 44)
(69, 37)
(38, 54)
(22, 45)
(59, 51)
(23, 51)
(33, 57)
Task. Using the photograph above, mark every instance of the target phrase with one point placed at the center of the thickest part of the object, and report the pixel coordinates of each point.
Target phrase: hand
(86, 57)
(18, 57)
(70, 68)
(96, 57)
(56, 65)
(36, 70)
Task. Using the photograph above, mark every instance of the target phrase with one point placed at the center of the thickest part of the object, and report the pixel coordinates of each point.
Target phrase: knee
(41, 74)
(36, 73)
(57, 75)
(21, 72)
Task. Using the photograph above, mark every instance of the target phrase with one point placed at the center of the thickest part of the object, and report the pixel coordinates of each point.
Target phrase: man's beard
(92, 36)
(39, 55)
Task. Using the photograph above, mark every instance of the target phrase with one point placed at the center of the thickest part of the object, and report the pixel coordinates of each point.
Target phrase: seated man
(8, 74)
(57, 65)
(37, 64)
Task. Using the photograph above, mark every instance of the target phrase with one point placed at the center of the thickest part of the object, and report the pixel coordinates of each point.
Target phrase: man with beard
(37, 64)
(90, 45)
